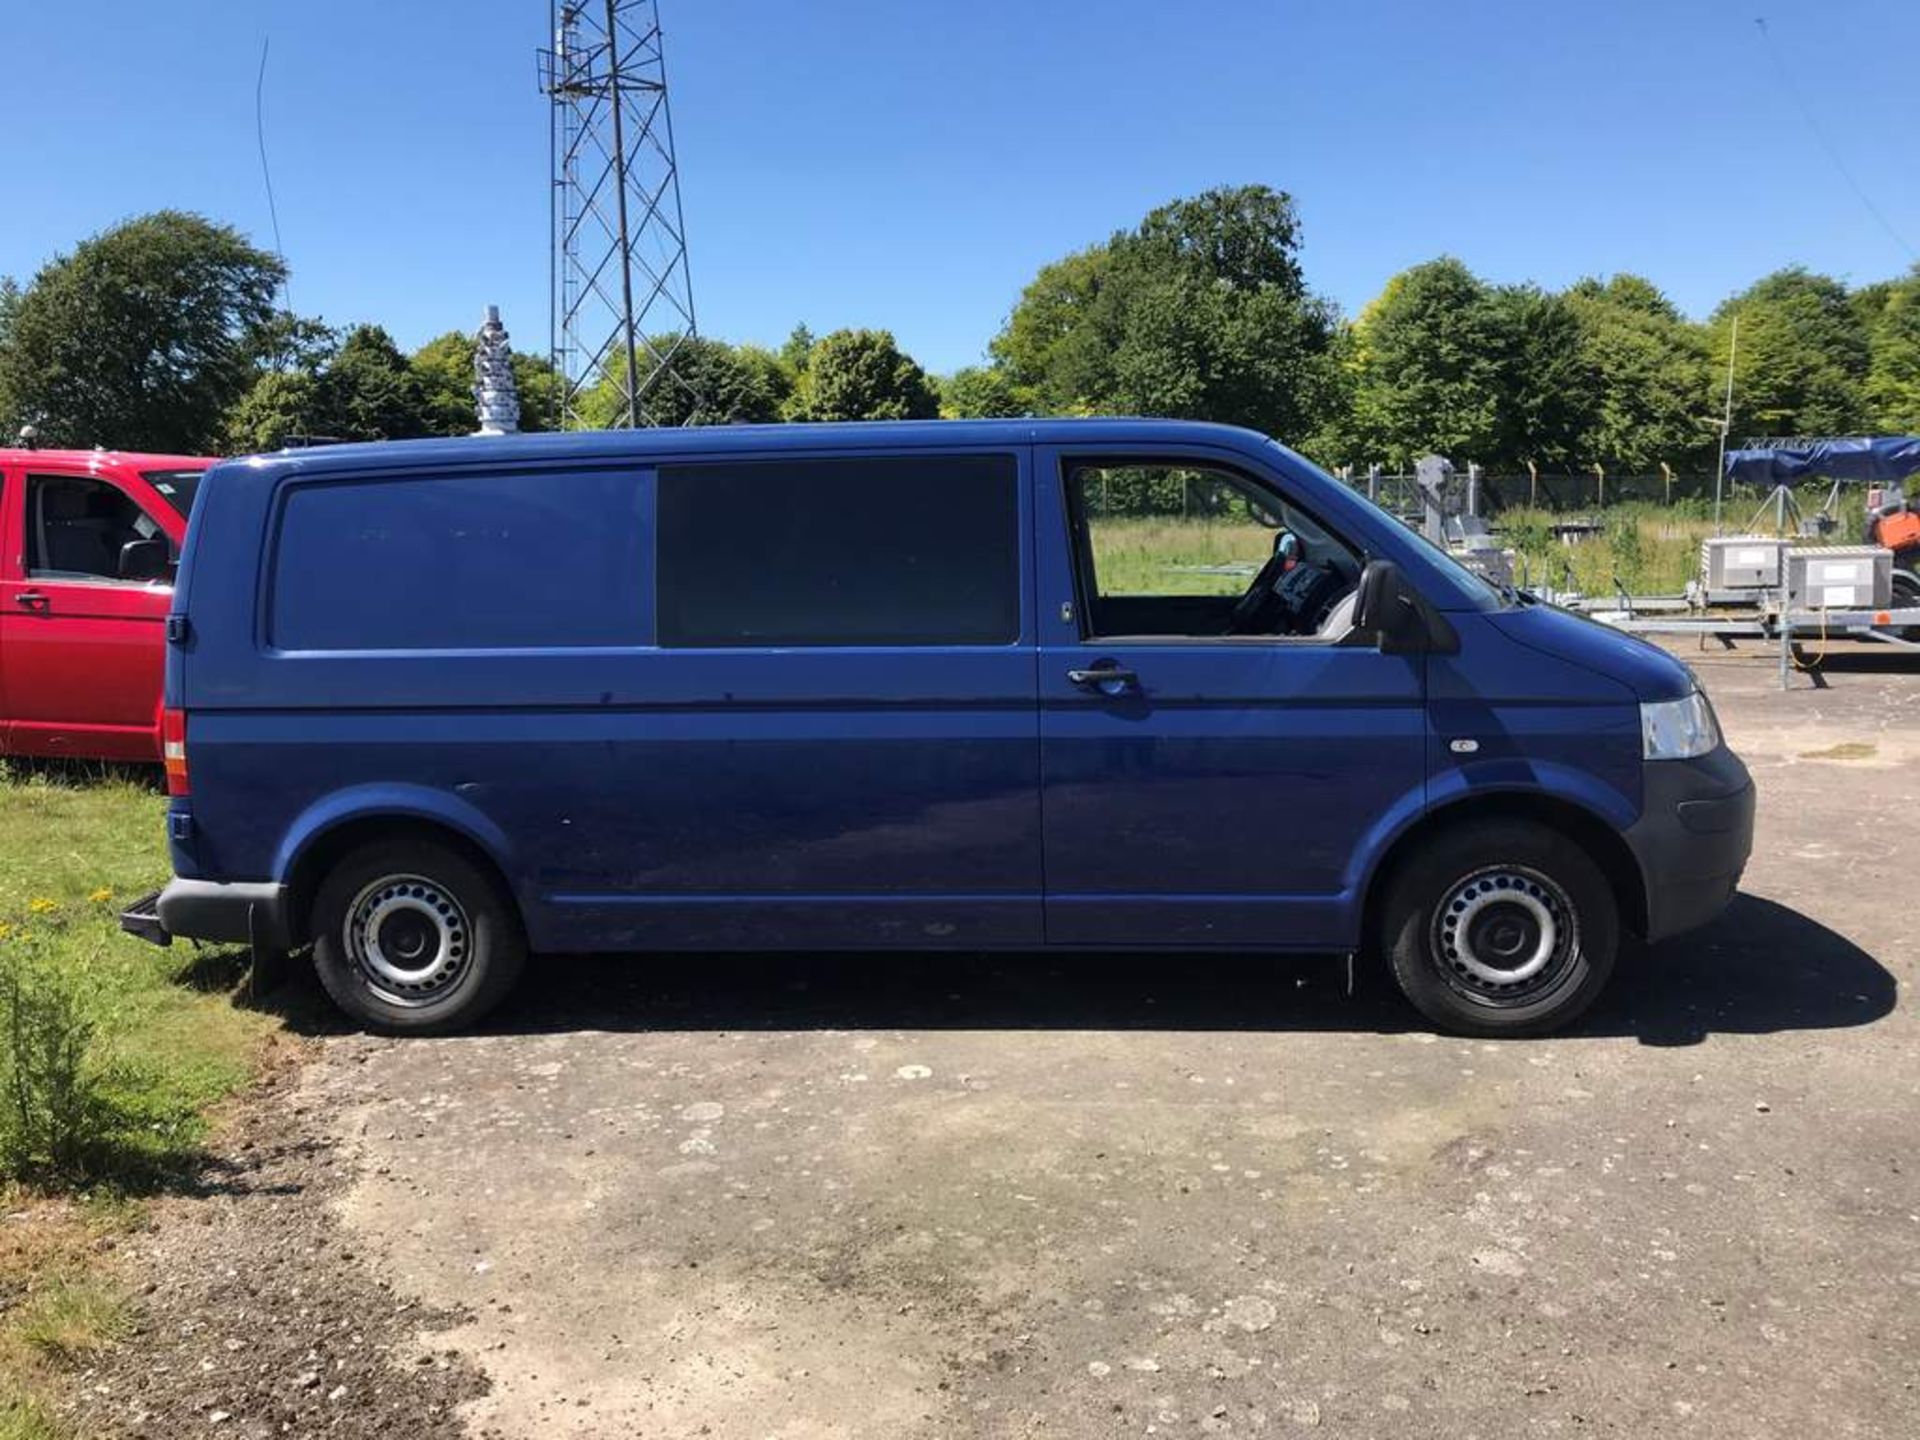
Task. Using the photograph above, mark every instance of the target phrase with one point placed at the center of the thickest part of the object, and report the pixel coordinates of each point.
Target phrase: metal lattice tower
(622, 298)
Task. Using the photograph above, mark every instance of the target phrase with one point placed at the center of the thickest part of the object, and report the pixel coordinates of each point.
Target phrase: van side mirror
(148, 559)
(1396, 615)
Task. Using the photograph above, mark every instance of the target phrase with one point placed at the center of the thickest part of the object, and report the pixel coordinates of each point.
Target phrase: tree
(797, 350)
(982, 392)
(1652, 382)
(1054, 345)
(1431, 355)
(1893, 369)
(863, 375)
(1803, 356)
(143, 337)
(1548, 390)
(335, 385)
(281, 407)
(712, 383)
(1199, 312)
(369, 392)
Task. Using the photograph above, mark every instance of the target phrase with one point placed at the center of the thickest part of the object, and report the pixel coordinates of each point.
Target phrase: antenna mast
(622, 297)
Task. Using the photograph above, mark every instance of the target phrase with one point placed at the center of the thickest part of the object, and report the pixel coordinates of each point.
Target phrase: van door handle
(31, 600)
(1107, 679)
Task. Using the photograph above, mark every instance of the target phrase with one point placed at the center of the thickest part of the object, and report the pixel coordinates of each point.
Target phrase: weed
(70, 1320)
(55, 1120)
(23, 1418)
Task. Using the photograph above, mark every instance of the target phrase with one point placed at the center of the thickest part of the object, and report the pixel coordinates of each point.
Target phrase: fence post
(1533, 486)
(1666, 472)
(1373, 483)
(1473, 488)
(1600, 486)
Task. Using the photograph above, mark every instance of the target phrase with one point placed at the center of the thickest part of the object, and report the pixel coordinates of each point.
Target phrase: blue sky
(910, 165)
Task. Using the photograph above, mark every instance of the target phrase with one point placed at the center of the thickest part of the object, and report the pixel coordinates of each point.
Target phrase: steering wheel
(1251, 610)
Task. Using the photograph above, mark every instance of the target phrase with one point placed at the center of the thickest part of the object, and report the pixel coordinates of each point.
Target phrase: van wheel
(1501, 928)
(412, 938)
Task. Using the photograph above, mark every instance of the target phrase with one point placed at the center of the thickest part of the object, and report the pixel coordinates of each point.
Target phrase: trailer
(1793, 630)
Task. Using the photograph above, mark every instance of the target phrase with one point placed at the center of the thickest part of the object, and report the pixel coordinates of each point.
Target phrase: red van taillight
(173, 749)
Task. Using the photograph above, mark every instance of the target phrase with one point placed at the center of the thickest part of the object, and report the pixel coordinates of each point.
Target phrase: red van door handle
(31, 600)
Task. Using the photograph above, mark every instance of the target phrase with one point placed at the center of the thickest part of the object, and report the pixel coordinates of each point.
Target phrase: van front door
(1213, 758)
(81, 638)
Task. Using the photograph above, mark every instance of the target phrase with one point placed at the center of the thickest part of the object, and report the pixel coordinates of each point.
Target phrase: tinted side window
(461, 562)
(897, 551)
(77, 527)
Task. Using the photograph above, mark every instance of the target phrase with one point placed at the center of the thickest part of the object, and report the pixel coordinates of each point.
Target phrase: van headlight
(1678, 729)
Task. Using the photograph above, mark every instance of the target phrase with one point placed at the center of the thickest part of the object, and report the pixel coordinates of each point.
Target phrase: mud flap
(268, 972)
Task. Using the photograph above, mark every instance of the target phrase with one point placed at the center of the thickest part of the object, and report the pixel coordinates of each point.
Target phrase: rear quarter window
(462, 562)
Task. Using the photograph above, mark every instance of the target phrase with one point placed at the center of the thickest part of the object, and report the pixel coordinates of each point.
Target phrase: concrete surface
(911, 1196)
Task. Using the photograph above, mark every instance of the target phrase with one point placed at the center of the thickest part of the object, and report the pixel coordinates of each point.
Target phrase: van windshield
(1471, 583)
(1476, 590)
(176, 487)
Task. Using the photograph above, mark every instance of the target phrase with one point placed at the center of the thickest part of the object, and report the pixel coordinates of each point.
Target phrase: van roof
(98, 460)
(749, 439)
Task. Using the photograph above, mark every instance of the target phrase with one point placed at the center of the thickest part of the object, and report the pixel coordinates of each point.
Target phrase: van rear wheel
(1501, 928)
(411, 937)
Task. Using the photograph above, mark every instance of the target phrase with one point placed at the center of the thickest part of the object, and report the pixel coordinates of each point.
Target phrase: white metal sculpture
(495, 395)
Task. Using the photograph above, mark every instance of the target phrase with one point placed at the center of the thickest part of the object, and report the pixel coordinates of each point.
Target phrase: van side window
(77, 528)
(1175, 549)
(461, 562)
(908, 550)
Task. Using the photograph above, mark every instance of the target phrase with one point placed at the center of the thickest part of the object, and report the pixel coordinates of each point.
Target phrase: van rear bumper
(1692, 839)
(239, 912)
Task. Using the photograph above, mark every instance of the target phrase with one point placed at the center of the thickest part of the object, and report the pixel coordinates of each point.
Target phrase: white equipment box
(1741, 562)
(1839, 577)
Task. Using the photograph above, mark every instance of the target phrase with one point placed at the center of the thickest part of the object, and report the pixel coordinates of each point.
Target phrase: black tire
(456, 938)
(1906, 596)
(1500, 928)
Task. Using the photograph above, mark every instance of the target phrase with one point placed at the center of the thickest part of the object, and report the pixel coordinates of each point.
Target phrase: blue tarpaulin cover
(1868, 458)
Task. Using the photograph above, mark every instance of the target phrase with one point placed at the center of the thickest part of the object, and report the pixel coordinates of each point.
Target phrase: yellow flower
(101, 896)
(40, 905)
(6, 930)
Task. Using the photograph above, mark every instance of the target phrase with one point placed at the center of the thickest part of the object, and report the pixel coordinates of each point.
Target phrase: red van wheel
(1501, 927)
(411, 937)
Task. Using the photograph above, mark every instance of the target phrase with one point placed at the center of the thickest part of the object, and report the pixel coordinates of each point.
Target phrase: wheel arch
(1594, 835)
(319, 843)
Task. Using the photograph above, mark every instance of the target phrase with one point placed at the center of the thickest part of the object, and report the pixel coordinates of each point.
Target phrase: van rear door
(1205, 787)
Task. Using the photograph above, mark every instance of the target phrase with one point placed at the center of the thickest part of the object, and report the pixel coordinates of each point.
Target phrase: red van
(88, 544)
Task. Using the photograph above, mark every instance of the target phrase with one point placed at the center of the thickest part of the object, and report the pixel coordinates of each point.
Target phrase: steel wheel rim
(409, 939)
(1505, 935)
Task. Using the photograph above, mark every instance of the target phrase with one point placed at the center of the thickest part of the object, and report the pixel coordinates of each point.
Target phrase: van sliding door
(838, 744)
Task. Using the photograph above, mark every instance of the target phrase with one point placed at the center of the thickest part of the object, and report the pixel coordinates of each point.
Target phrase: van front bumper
(1693, 838)
(241, 912)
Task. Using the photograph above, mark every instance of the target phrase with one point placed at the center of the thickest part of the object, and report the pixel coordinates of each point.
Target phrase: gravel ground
(1027, 1196)
(256, 1314)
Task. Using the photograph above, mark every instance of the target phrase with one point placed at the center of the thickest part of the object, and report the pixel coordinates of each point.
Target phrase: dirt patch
(1846, 750)
(254, 1315)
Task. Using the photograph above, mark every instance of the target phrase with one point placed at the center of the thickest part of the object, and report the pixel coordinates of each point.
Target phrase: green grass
(111, 1053)
(22, 1418)
(72, 1320)
(1650, 548)
(74, 848)
(1159, 556)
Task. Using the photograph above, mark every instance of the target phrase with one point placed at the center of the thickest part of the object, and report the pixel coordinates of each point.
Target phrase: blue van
(1087, 684)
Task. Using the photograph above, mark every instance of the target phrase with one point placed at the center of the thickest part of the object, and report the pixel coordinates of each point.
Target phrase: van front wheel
(1501, 928)
(411, 937)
